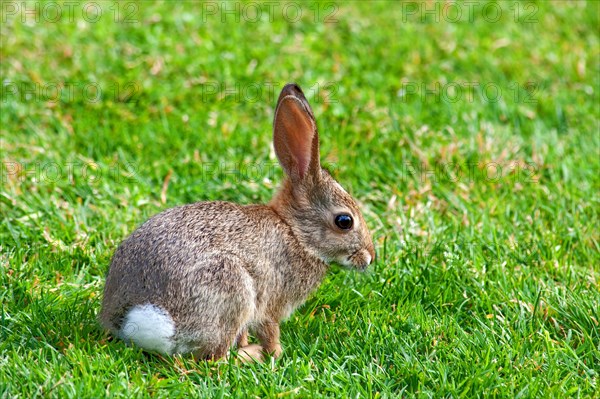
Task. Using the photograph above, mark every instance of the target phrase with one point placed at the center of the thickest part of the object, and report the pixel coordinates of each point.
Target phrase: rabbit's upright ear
(295, 135)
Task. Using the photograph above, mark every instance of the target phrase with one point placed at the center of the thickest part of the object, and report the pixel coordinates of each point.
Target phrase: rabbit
(194, 279)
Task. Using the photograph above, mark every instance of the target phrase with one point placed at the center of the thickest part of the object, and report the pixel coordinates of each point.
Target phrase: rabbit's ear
(295, 135)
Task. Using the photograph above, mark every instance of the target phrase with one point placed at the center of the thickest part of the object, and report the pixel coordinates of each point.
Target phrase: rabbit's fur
(195, 278)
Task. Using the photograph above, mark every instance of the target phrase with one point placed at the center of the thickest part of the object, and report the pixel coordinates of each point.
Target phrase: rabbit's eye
(343, 221)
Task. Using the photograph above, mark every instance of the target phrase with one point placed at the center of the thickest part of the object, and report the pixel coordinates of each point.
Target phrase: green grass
(486, 282)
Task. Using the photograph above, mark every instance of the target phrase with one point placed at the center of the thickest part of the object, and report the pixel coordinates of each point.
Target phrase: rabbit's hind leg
(221, 305)
(268, 335)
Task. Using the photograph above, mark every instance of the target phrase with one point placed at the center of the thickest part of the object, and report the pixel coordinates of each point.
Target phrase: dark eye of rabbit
(343, 221)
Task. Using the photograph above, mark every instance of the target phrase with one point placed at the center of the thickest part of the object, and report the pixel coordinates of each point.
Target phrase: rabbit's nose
(371, 250)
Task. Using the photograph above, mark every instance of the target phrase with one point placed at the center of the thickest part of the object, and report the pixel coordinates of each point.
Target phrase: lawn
(469, 133)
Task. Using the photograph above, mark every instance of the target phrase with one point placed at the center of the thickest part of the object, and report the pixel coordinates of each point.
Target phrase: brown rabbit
(195, 278)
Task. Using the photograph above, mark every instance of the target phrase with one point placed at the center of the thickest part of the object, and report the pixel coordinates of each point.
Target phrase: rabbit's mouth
(360, 259)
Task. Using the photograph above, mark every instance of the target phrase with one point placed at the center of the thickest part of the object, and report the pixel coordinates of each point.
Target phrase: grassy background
(486, 283)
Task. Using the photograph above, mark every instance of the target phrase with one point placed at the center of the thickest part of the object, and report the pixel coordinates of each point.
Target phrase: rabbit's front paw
(276, 351)
(251, 353)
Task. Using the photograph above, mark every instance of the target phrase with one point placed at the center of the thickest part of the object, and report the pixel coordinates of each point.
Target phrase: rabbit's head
(324, 217)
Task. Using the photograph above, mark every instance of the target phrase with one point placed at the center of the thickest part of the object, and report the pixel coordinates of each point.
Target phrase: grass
(484, 210)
